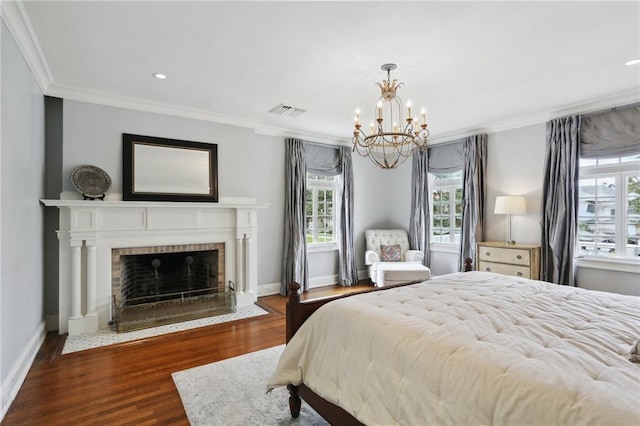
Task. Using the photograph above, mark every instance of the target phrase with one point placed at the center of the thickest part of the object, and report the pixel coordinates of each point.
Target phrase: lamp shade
(510, 204)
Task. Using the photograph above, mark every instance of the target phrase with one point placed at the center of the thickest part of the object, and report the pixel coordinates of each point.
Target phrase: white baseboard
(315, 282)
(10, 387)
(274, 288)
(268, 289)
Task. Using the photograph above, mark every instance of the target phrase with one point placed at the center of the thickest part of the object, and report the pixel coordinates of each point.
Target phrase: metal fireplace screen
(165, 288)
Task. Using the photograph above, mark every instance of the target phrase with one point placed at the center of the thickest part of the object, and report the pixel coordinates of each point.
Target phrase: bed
(466, 348)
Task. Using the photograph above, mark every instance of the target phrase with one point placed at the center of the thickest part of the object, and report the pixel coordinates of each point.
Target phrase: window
(609, 207)
(319, 209)
(446, 207)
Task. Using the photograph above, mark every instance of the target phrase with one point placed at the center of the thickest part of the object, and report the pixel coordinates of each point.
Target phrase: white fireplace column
(239, 268)
(92, 317)
(76, 280)
(247, 259)
(80, 323)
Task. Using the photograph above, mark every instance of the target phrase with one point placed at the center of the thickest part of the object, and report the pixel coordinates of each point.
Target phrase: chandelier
(392, 138)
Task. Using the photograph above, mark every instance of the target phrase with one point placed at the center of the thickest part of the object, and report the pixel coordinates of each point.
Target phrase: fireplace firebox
(166, 284)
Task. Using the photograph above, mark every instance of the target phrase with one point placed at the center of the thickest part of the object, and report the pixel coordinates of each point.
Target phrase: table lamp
(510, 205)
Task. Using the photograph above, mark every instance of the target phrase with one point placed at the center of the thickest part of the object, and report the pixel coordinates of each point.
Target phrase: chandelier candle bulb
(409, 108)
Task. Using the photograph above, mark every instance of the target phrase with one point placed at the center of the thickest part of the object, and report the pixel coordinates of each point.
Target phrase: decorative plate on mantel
(91, 181)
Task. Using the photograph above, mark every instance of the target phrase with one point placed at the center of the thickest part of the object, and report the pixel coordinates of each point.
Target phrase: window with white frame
(609, 207)
(320, 210)
(446, 207)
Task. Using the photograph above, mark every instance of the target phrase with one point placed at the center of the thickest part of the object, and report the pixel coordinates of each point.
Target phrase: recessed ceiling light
(160, 76)
(635, 61)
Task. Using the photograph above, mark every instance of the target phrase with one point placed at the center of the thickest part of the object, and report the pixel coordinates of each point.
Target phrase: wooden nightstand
(520, 260)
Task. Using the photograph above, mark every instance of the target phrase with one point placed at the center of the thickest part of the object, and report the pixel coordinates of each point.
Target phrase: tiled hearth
(90, 231)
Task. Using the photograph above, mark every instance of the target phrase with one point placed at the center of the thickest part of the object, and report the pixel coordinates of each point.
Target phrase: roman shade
(614, 133)
(322, 160)
(446, 157)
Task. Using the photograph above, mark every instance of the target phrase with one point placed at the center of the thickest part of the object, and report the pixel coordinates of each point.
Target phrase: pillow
(390, 253)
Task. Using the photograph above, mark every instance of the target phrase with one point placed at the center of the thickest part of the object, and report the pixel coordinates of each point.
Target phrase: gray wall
(507, 176)
(21, 215)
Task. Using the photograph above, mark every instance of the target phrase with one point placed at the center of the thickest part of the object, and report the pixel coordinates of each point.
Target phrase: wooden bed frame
(297, 313)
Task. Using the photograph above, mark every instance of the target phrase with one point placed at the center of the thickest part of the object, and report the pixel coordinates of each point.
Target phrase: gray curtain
(419, 222)
(614, 133)
(473, 195)
(347, 270)
(560, 200)
(294, 256)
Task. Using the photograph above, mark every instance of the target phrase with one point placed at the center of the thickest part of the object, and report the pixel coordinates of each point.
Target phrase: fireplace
(94, 235)
(166, 284)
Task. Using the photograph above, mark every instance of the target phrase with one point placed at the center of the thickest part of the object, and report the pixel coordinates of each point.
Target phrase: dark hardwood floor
(130, 383)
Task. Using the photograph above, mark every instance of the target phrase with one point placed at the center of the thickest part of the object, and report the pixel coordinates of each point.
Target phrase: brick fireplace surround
(91, 230)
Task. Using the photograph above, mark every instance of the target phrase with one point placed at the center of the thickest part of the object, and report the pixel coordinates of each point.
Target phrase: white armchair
(375, 238)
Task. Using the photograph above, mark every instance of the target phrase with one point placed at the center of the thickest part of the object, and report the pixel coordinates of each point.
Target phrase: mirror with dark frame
(160, 169)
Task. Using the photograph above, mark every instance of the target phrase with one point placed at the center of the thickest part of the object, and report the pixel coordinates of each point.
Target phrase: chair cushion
(394, 273)
(391, 253)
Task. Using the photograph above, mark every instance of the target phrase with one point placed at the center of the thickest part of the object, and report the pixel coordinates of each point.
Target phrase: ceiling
(472, 65)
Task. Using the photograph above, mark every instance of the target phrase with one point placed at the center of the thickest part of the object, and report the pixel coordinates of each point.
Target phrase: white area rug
(233, 392)
(106, 336)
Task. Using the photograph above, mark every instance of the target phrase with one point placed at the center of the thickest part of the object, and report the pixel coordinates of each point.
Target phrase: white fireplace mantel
(89, 230)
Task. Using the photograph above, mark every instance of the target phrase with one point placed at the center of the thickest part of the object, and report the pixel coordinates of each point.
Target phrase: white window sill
(620, 265)
(320, 247)
(445, 248)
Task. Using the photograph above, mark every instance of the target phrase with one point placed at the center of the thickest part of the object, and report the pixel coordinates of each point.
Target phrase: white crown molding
(619, 99)
(309, 136)
(101, 98)
(260, 129)
(17, 21)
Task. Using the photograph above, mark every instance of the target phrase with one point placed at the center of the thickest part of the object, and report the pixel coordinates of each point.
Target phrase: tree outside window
(446, 207)
(320, 209)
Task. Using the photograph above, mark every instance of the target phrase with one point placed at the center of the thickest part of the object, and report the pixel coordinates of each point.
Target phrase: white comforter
(472, 348)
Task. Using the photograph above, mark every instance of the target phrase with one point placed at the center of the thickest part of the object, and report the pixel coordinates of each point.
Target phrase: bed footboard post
(293, 291)
(467, 264)
(294, 401)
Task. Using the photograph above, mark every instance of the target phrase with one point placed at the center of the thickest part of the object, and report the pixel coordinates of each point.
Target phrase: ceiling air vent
(286, 110)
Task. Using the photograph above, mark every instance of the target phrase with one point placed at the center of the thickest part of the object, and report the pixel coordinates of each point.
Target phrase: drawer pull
(487, 269)
(519, 256)
(519, 274)
(488, 253)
